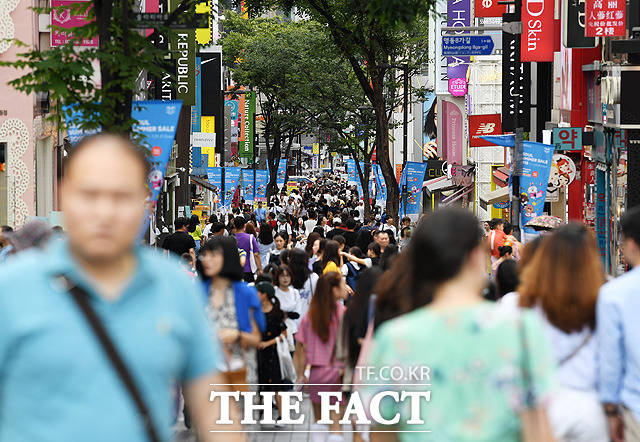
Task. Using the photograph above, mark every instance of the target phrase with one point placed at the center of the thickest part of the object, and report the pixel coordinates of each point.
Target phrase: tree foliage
(370, 39)
(68, 73)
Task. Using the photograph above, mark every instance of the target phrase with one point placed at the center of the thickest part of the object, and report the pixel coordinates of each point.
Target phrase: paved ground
(281, 435)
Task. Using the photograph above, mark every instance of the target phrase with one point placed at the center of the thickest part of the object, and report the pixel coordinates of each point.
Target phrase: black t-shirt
(350, 238)
(179, 243)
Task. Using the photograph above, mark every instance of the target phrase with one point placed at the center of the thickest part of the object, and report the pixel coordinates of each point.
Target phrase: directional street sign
(467, 45)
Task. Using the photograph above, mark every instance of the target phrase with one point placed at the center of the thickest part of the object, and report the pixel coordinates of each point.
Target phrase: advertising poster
(248, 188)
(74, 132)
(381, 196)
(214, 175)
(414, 175)
(236, 106)
(282, 171)
(231, 183)
(262, 179)
(245, 144)
(537, 160)
(352, 174)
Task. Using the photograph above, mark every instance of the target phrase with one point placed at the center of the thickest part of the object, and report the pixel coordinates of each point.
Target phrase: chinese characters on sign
(63, 18)
(606, 18)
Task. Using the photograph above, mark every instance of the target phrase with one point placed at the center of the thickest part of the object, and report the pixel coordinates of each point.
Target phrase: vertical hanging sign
(536, 45)
(458, 14)
(282, 171)
(248, 188)
(516, 82)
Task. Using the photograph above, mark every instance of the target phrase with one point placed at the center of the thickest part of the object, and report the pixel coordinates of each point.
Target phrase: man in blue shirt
(618, 333)
(56, 382)
(261, 213)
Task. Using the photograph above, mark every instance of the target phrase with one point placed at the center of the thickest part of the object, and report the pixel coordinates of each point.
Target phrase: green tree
(370, 43)
(123, 53)
(265, 54)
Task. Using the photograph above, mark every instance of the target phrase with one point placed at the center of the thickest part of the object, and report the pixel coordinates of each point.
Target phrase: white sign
(203, 139)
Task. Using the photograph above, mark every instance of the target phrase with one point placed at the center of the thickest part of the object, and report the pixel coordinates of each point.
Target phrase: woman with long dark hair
(561, 283)
(487, 365)
(316, 338)
(265, 242)
(331, 261)
(303, 279)
(232, 307)
(312, 247)
(268, 361)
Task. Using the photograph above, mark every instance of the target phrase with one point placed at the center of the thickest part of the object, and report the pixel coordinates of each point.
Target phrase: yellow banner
(208, 125)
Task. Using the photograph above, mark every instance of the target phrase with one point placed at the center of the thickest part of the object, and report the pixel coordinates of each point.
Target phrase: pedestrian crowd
(105, 339)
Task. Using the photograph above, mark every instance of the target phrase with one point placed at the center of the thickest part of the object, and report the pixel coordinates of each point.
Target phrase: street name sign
(467, 45)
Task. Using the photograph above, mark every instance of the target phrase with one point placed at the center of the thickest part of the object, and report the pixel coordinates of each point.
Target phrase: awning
(203, 183)
(501, 176)
(496, 196)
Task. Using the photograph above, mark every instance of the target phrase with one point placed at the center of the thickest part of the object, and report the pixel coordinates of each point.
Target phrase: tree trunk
(382, 146)
(273, 162)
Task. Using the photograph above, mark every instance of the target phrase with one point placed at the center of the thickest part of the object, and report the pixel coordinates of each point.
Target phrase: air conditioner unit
(621, 96)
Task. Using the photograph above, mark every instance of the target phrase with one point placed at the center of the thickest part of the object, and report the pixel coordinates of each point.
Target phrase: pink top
(319, 353)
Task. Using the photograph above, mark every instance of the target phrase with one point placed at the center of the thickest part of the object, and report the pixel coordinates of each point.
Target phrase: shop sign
(62, 18)
(502, 205)
(567, 138)
(458, 14)
(483, 125)
(535, 44)
(458, 87)
(452, 133)
(516, 83)
(606, 18)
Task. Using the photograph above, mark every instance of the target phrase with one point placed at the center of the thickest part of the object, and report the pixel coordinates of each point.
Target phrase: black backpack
(352, 275)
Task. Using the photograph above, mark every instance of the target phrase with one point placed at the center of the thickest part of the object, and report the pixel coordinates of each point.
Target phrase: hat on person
(282, 218)
(34, 233)
(337, 220)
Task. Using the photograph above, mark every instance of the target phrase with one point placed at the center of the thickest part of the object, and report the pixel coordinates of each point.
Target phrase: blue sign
(214, 175)
(282, 171)
(467, 45)
(231, 181)
(247, 185)
(413, 177)
(602, 216)
(262, 178)
(351, 172)
(381, 195)
(536, 166)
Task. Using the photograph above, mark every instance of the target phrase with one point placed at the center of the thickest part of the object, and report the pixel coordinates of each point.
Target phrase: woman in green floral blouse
(430, 313)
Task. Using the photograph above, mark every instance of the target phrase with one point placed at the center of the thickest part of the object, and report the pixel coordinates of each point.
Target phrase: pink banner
(65, 20)
(453, 138)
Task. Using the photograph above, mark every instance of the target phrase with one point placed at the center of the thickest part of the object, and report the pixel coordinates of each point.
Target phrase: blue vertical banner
(248, 186)
(352, 174)
(214, 175)
(157, 121)
(262, 178)
(602, 216)
(282, 171)
(413, 176)
(231, 181)
(536, 166)
(381, 191)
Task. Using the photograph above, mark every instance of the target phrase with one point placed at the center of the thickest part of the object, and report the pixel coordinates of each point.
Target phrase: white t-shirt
(290, 302)
(207, 229)
(309, 225)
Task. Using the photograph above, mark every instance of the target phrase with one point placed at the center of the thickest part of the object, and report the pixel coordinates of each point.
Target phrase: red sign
(481, 125)
(489, 8)
(536, 45)
(605, 18)
(156, 151)
(64, 19)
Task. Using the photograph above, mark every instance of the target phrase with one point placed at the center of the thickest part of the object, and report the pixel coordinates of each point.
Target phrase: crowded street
(319, 221)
